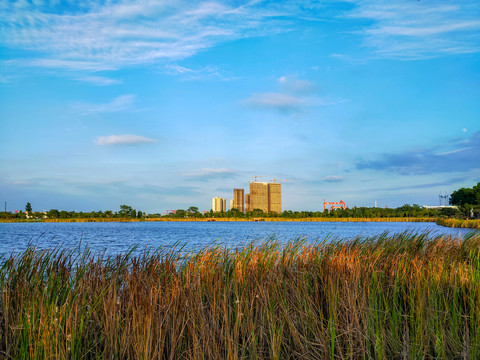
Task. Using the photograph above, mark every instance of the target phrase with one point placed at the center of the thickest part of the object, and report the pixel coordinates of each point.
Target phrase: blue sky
(166, 104)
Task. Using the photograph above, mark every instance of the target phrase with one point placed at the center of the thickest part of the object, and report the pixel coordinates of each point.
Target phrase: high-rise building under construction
(247, 203)
(264, 196)
(274, 197)
(239, 200)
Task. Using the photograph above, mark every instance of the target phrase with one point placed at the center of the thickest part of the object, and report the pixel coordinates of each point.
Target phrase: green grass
(385, 297)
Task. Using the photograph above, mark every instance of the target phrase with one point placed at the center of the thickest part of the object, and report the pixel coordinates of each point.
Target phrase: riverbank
(399, 296)
(212, 219)
(459, 223)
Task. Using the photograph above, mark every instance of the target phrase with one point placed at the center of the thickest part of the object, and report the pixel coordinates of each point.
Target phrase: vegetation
(459, 223)
(467, 201)
(125, 212)
(466, 196)
(387, 297)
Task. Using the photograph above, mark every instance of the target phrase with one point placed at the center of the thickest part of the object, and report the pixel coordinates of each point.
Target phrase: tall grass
(403, 296)
(459, 223)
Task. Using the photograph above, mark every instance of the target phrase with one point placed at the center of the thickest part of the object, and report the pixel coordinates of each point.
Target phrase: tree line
(467, 201)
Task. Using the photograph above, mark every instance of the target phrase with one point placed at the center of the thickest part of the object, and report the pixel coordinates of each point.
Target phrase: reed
(385, 297)
(460, 223)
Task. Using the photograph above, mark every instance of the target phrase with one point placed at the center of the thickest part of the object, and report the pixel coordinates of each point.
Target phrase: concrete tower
(239, 200)
(259, 196)
(274, 197)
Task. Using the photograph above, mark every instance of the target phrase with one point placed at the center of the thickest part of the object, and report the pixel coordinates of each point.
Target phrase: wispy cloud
(419, 29)
(333, 178)
(4, 80)
(430, 160)
(297, 86)
(208, 174)
(447, 182)
(120, 103)
(282, 103)
(99, 80)
(92, 35)
(203, 73)
(123, 140)
(296, 95)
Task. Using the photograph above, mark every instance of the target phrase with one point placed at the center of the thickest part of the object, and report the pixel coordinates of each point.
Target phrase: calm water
(116, 238)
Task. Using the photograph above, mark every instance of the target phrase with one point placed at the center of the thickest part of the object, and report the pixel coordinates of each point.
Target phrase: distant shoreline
(276, 219)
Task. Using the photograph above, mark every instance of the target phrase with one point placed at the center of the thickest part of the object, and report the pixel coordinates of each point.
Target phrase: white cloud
(286, 103)
(92, 35)
(207, 72)
(99, 80)
(123, 140)
(419, 29)
(4, 80)
(333, 178)
(453, 151)
(283, 103)
(120, 103)
(297, 86)
(207, 174)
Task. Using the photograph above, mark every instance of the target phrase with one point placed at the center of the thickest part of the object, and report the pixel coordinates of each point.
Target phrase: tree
(465, 196)
(53, 213)
(28, 207)
(192, 210)
(127, 211)
(180, 213)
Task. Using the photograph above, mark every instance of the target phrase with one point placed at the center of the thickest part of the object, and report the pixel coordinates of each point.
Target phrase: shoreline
(263, 219)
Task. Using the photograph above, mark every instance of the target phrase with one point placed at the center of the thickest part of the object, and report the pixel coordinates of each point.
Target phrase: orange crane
(341, 204)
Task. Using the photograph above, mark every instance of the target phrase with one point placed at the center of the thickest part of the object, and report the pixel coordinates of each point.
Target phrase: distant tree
(139, 214)
(127, 211)
(53, 213)
(28, 207)
(465, 196)
(180, 213)
(258, 213)
(192, 210)
(449, 212)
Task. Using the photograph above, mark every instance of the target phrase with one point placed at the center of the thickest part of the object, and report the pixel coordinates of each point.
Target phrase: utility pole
(5, 206)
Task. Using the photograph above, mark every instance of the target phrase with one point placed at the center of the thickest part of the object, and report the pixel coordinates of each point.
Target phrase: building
(247, 203)
(265, 196)
(219, 204)
(259, 196)
(274, 197)
(238, 200)
(231, 204)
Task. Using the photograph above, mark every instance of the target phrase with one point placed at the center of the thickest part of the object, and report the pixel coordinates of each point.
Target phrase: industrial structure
(219, 204)
(334, 205)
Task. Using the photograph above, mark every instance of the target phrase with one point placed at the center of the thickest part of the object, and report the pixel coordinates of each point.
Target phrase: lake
(117, 237)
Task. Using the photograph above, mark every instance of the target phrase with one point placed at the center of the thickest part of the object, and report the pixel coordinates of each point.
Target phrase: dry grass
(388, 297)
(459, 223)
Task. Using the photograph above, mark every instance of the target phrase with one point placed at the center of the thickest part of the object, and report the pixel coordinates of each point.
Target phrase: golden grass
(385, 297)
(459, 223)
